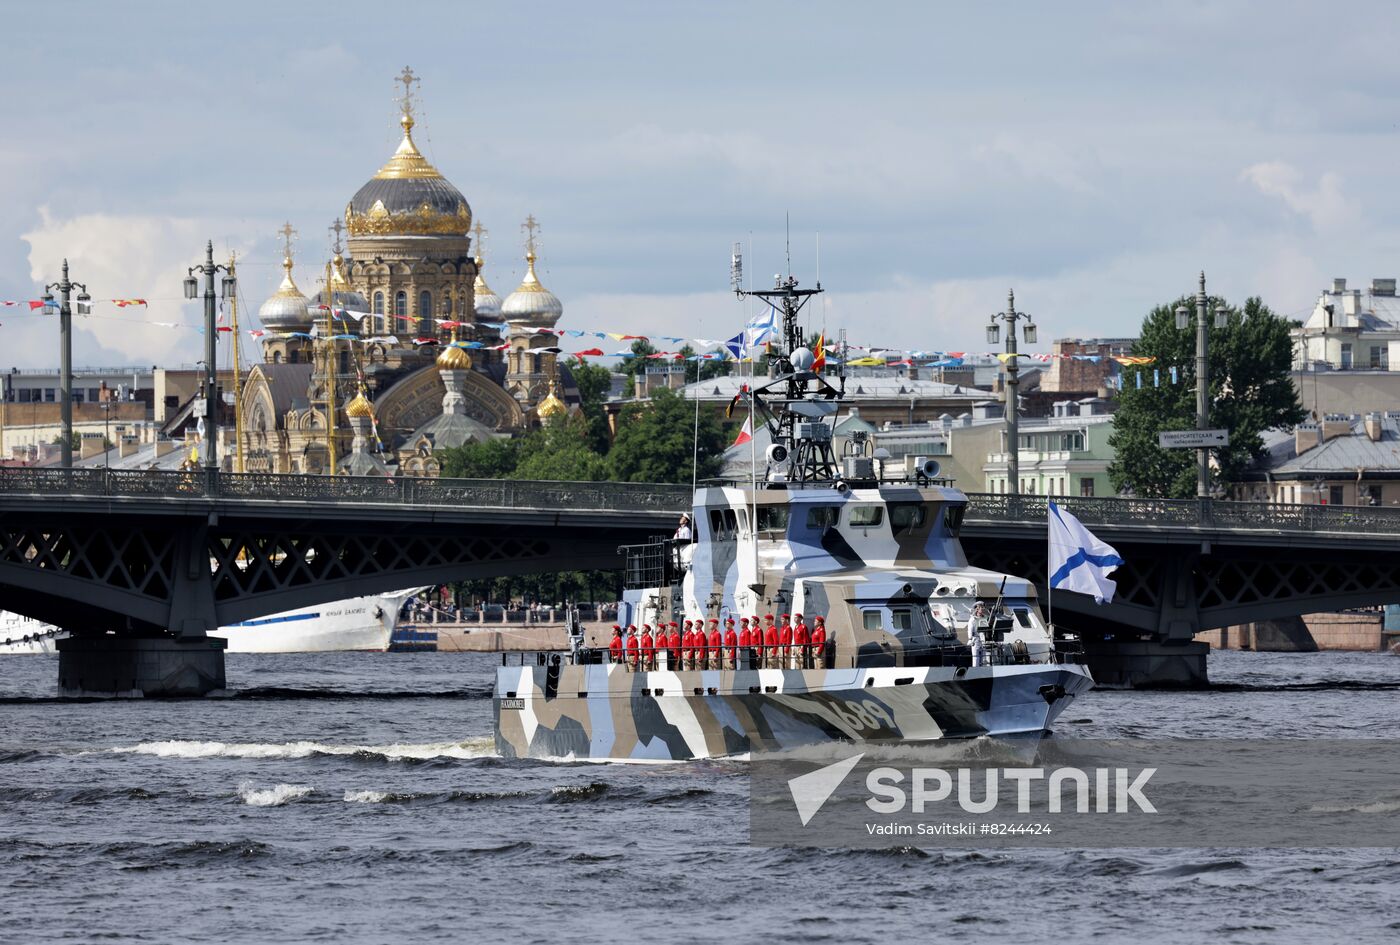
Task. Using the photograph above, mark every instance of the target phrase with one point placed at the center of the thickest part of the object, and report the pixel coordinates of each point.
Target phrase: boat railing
(658, 563)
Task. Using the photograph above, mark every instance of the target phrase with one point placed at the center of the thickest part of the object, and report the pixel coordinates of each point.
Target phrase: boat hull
(604, 712)
(360, 623)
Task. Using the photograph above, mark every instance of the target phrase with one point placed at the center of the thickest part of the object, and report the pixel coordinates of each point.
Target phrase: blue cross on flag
(1078, 560)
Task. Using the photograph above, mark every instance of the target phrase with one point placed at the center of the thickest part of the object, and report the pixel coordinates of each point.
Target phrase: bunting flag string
(758, 332)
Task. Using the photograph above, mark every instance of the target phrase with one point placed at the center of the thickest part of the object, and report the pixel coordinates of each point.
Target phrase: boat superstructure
(919, 645)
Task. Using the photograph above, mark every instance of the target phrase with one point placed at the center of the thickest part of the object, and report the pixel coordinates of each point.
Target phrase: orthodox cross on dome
(406, 101)
(336, 229)
(288, 234)
(480, 232)
(530, 226)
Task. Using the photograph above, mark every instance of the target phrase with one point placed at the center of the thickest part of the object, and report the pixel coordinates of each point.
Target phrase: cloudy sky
(1092, 156)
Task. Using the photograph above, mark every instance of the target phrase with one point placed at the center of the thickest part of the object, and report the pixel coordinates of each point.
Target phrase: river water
(355, 798)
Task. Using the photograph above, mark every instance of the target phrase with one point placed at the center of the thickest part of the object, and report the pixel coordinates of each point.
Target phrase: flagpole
(1049, 585)
(753, 497)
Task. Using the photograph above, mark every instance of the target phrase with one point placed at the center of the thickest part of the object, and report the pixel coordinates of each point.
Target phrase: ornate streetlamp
(1183, 318)
(64, 310)
(211, 391)
(1013, 445)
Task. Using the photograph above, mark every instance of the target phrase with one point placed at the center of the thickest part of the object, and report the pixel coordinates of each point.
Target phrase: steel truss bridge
(187, 552)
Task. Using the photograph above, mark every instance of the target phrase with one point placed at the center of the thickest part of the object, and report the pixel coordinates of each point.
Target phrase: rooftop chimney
(1305, 437)
(1383, 287)
(1339, 286)
(1373, 427)
(1335, 425)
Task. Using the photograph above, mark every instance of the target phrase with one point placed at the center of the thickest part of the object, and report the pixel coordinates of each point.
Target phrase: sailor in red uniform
(785, 641)
(819, 642)
(615, 646)
(731, 645)
(702, 644)
(648, 648)
(770, 643)
(673, 643)
(716, 642)
(801, 638)
(688, 647)
(632, 647)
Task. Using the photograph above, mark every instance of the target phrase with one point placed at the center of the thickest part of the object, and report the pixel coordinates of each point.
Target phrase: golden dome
(551, 406)
(453, 358)
(408, 196)
(359, 407)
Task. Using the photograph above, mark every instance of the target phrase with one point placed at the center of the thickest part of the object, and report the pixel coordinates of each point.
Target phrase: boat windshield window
(953, 519)
(722, 524)
(772, 518)
(821, 516)
(906, 516)
(1023, 616)
(731, 521)
(866, 515)
(901, 618)
(872, 619)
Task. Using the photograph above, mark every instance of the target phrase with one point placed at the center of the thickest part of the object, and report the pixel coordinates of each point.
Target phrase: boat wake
(470, 749)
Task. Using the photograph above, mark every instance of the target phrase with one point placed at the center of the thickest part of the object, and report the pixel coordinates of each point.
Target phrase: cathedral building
(405, 350)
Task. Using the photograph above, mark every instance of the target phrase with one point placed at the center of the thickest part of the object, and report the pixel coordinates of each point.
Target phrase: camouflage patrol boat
(909, 655)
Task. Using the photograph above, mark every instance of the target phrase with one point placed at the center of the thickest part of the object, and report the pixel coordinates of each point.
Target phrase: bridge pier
(1147, 664)
(114, 666)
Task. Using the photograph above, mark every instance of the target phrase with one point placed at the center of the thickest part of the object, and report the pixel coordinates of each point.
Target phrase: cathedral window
(401, 304)
(379, 303)
(447, 304)
(425, 304)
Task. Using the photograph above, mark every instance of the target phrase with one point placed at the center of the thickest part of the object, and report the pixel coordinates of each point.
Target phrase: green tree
(655, 441)
(560, 451)
(494, 459)
(1250, 392)
(594, 382)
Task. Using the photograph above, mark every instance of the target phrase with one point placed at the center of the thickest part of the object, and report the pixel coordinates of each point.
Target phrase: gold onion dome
(532, 305)
(408, 197)
(286, 308)
(551, 406)
(359, 406)
(453, 358)
(487, 303)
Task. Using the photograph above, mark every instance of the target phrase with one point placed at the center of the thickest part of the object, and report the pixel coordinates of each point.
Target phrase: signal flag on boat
(1080, 561)
(819, 362)
(745, 432)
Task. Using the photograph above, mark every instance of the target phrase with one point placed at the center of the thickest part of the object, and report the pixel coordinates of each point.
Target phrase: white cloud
(1325, 205)
(121, 257)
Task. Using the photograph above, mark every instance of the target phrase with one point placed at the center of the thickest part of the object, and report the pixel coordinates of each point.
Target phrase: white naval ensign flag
(1078, 560)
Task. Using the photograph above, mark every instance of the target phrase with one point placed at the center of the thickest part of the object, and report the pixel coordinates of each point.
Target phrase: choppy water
(355, 798)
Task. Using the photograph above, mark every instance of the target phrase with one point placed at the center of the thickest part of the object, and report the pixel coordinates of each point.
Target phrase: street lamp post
(1013, 445)
(211, 391)
(107, 434)
(64, 309)
(1183, 316)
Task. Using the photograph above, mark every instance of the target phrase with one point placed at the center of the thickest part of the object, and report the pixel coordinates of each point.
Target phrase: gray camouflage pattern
(882, 565)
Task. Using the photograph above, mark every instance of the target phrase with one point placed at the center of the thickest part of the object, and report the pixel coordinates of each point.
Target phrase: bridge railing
(1188, 513)
(400, 490)
(642, 496)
